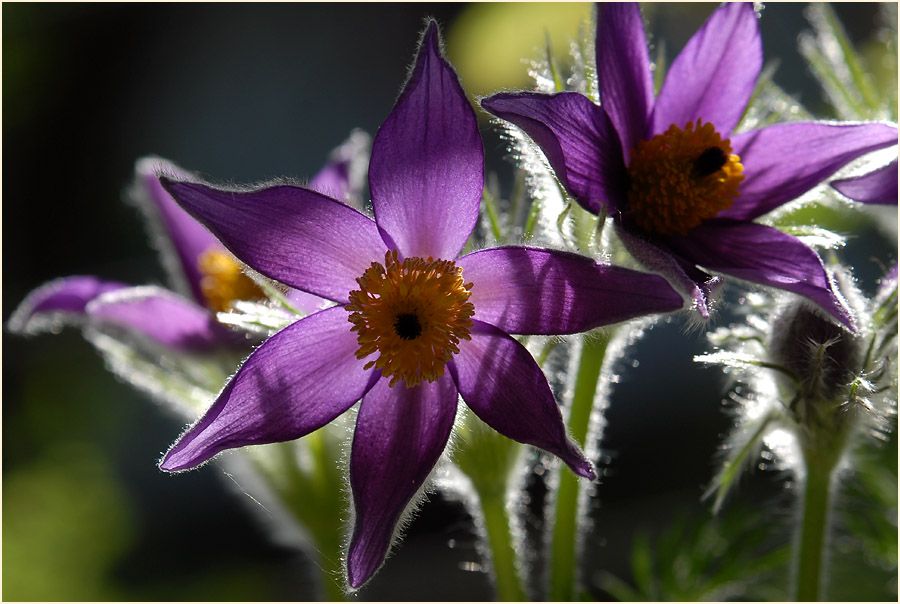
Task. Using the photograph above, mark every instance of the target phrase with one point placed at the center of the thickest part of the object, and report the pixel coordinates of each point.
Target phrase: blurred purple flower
(204, 277)
(684, 195)
(437, 325)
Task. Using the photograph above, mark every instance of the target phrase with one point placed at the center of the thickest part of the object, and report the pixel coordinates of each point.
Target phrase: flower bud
(823, 356)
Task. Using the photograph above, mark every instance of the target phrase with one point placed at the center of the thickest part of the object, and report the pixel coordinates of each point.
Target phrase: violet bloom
(204, 277)
(683, 194)
(414, 327)
(202, 274)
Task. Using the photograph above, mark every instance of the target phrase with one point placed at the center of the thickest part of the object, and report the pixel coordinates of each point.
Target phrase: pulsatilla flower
(414, 326)
(682, 187)
(172, 343)
(204, 278)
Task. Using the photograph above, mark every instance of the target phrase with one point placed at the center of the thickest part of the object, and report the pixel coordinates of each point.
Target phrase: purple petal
(762, 254)
(304, 302)
(783, 161)
(293, 384)
(163, 316)
(656, 256)
(400, 434)
(713, 77)
(876, 187)
(181, 238)
(340, 178)
(578, 139)
(333, 181)
(623, 71)
(59, 300)
(296, 236)
(534, 291)
(503, 385)
(427, 170)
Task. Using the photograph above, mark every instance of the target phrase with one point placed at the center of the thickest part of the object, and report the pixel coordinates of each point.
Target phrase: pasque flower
(414, 327)
(682, 187)
(204, 277)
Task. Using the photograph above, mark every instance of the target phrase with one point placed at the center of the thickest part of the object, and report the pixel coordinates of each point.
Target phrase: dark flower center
(709, 162)
(407, 326)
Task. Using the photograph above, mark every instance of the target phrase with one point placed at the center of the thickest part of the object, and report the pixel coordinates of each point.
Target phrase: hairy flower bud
(824, 356)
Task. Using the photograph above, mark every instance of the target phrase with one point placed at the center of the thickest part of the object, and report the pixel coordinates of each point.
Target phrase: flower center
(223, 281)
(680, 178)
(413, 313)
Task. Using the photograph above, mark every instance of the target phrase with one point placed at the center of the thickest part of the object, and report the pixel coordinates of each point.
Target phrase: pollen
(412, 314)
(223, 281)
(680, 178)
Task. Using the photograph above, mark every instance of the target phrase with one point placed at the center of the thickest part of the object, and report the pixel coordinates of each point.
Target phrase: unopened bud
(824, 356)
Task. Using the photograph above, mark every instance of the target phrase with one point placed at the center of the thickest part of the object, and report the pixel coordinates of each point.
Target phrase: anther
(412, 314)
(681, 177)
(223, 281)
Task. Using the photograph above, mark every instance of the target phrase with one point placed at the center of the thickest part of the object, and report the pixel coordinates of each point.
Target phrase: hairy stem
(812, 539)
(507, 581)
(564, 545)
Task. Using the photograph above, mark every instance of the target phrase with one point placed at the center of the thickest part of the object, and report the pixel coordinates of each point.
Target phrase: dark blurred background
(245, 93)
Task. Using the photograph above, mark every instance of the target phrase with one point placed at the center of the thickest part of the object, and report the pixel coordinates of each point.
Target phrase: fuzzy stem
(508, 583)
(563, 546)
(812, 539)
(314, 500)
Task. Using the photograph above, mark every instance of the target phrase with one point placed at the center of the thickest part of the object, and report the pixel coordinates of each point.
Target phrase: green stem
(313, 499)
(811, 543)
(563, 546)
(503, 556)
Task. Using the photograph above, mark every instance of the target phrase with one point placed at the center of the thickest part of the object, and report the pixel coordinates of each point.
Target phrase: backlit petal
(501, 382)
(764, 255)
(343, 177)
(62, 300)
(400, 434)
(623, 70)
(427, 170)
(578, 139)
(180, 239)
(876, 187)
(163, 316)
(293, 235)
(713, 77)
(783, 161)
(534, 291)
(686, 278)
(294, 383)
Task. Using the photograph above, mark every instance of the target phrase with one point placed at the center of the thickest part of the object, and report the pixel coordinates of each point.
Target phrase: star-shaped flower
(414, 327)
(683, 188)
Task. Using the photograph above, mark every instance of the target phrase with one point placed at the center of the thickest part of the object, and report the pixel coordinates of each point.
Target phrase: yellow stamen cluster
(680, 178)
(413, 313)
(223, 281)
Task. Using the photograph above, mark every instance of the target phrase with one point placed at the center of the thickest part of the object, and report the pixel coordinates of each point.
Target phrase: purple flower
(414, 327)
(682, 187)
(204, 277)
